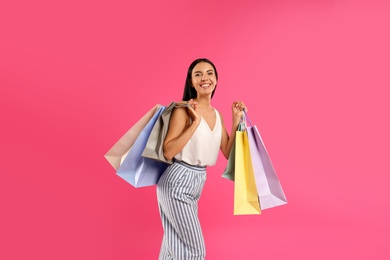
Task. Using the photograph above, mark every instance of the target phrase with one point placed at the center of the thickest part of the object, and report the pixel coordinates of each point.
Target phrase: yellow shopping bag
(246, 200)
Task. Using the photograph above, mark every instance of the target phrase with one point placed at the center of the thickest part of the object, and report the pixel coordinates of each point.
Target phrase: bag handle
(247, 118)
(242, 125)
(180, 104)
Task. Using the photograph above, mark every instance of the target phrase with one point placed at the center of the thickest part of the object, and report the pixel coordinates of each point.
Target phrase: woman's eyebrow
(206, 71)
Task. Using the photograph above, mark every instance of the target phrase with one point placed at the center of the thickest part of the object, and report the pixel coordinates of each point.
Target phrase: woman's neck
(204, 102)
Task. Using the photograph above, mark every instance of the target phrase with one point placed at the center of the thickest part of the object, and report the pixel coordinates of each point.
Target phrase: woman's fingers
(239, 105)
(192, 110)
(192, 103)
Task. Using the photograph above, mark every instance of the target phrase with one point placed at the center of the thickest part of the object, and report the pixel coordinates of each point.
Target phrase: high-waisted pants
(178, 193)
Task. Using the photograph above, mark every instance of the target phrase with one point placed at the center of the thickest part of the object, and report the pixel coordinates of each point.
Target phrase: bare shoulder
(180, 111)
(179, 114)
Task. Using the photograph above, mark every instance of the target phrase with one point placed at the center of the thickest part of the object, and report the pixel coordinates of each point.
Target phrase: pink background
(76, 75)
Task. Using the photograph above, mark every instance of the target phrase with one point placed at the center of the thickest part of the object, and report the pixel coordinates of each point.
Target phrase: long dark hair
(189, 91)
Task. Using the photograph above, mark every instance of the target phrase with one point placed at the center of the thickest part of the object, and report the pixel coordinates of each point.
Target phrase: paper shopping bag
(137, 170)
(119, 150)
(268, 186)
(246, 200)
(154, 146)
(229, 171)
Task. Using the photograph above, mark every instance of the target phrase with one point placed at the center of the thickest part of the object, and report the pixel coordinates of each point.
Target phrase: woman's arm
(180, 130)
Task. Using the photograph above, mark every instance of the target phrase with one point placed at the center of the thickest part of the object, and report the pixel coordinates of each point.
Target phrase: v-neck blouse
(203, 147)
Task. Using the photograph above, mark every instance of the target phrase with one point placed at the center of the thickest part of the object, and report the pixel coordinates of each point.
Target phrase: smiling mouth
(205, 85)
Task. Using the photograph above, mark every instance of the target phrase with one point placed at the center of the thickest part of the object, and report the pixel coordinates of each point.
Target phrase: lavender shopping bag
(268, 185)
(137, 170)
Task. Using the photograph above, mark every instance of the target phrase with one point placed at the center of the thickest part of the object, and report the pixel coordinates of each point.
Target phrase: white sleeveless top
(203, 147)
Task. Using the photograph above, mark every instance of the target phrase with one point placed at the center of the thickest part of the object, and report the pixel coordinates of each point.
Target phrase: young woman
(195, 135)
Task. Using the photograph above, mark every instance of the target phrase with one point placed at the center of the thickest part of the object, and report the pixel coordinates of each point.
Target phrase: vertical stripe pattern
(178, 193)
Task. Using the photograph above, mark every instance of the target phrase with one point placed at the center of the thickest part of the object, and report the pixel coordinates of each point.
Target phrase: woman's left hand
(237, 111)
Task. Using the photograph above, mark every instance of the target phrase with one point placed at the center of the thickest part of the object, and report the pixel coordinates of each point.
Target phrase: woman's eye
(210, 73)
(197, 74)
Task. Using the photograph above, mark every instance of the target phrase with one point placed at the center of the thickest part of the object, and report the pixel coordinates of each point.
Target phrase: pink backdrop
(76, 75)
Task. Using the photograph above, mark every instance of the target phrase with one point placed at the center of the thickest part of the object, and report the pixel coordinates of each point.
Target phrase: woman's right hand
(192, 111)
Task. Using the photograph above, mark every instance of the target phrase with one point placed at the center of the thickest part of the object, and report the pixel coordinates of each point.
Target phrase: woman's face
(203, 78)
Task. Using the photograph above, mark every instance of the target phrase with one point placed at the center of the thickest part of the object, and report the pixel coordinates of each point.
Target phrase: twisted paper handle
(180, 104)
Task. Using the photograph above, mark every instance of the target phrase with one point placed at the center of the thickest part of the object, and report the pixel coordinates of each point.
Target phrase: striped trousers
(178, 193)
